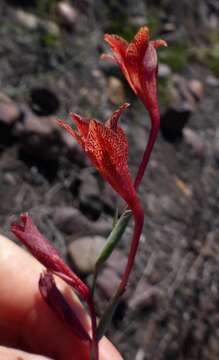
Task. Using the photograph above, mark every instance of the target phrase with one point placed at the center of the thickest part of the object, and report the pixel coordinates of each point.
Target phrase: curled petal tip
(74, 116)
(159, 43)
(124, 106)
(116, 42)
(142, 34)
(66, 126)
(107, 37)
(107, 57)
(113, 120)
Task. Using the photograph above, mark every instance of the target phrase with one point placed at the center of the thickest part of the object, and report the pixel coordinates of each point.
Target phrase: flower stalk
(106, 319)
(155, 126)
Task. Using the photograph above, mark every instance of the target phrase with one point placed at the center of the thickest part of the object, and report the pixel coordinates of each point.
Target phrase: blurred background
(49, 65)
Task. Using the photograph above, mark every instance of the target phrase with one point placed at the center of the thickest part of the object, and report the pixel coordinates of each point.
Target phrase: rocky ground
(49, 65)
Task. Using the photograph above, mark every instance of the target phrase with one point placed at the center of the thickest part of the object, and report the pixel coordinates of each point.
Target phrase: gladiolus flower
(107, 147)
(139, 64)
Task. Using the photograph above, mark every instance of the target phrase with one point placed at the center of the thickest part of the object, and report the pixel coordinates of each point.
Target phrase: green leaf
(113, 238)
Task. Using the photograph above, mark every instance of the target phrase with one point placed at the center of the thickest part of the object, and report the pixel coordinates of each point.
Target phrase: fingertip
(108, 350)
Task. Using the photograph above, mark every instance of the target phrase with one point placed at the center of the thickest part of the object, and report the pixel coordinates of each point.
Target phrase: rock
(50, 27)
(212, 81)
(145, 296)
(110, 68)
(117, 261)
(110, 199)
(9, 114)
(41, 126)
(140, 139)
(10, 179)
(4, 98)
(141, 355)
(168, 27)
(182, 104)
(84, 251)
(44, 101)
(39, 136)
(28, 20)
(107, 281)
(180, 93)
(89, 195)
(73, 150)
(66, 14)
(32, 22)
(172, 122)
(115, 90)
(197, 89)
(72, 222)
(164, 70)
(195, 141)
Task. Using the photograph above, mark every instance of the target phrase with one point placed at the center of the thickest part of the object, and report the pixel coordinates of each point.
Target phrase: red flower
(138, 62)
(107, 147)
(47, 255)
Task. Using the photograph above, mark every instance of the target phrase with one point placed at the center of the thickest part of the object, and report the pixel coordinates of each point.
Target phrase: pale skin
(27, 323)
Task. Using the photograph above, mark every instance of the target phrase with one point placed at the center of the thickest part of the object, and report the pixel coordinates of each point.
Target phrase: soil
(178, 257)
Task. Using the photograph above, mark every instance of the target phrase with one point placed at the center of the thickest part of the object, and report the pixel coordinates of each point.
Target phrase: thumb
(12, 354)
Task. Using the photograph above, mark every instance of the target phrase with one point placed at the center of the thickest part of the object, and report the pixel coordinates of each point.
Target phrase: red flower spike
(46, 254)
(107, 147)
(138, 62)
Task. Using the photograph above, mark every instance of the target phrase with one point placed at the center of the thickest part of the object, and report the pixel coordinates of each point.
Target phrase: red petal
(107, 57)
(134, 57)
(71, 132)
(150, 61)
(148, 79)
(119, 46)
(159, 43)
(108, 149)
(45, 253)
(113, 120)
(60, 306)
(93, 145)
(81, 123)
(141, 41)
